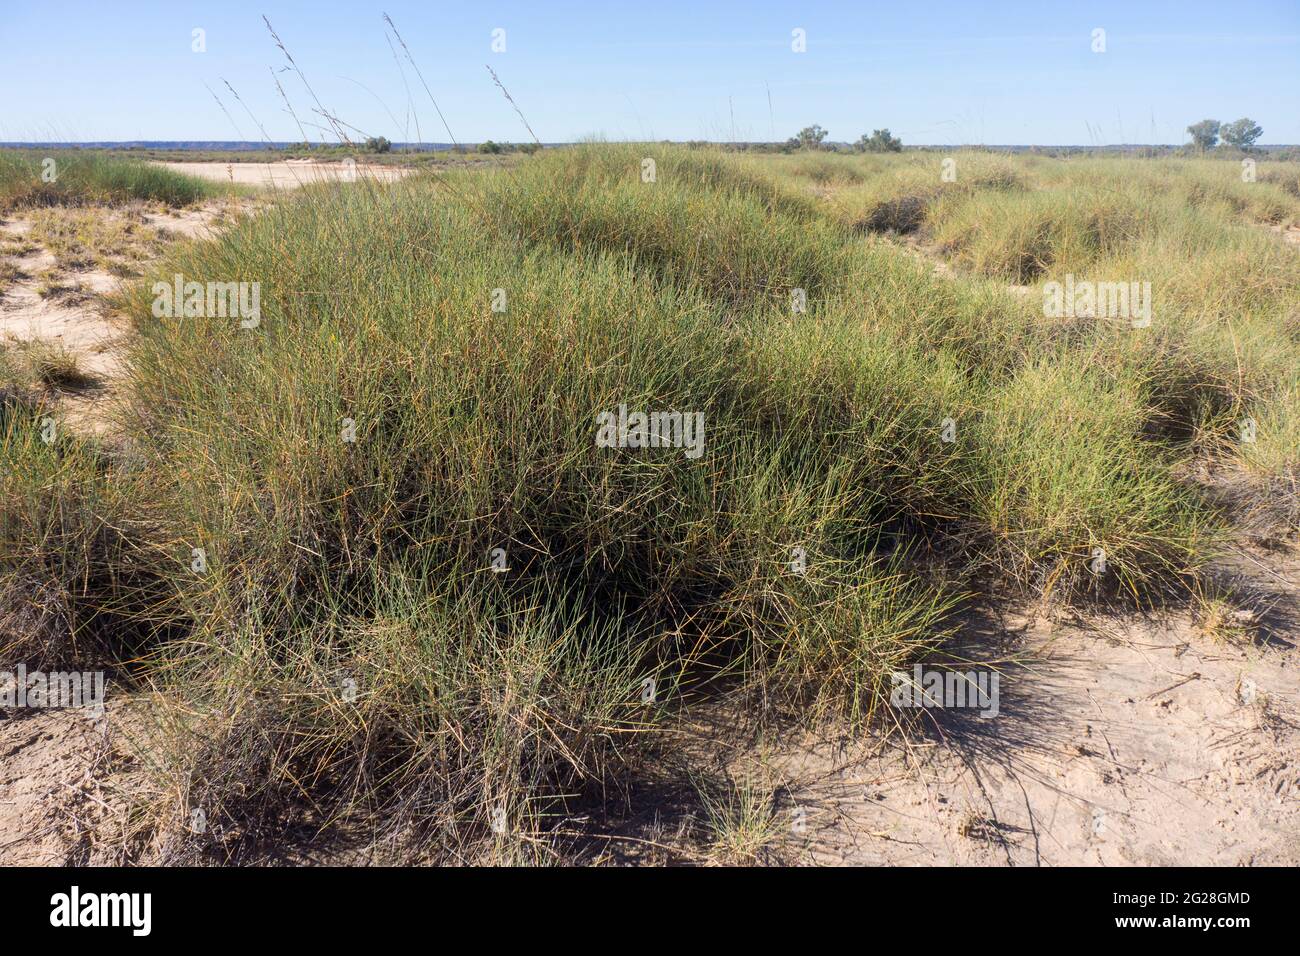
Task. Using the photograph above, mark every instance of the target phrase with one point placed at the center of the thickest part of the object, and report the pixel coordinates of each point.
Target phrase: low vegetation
(80, 177)
(379, 575)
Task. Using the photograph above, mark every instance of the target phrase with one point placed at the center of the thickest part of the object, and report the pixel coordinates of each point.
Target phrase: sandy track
(288, 174)
(52, 800)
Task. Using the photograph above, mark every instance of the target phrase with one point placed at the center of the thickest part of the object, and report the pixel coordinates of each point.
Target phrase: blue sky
(933, 72)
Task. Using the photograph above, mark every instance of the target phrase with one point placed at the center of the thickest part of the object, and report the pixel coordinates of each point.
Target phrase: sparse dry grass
(9, 275)
(53, 285)
(114, 239)
(42, 363)
(742, 823)
(17, 246)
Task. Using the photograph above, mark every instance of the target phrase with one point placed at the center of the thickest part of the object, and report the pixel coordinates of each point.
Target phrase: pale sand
(289, 174)
(86, 329)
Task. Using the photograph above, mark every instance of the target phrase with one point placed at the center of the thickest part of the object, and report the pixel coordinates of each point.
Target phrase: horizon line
(251, 145)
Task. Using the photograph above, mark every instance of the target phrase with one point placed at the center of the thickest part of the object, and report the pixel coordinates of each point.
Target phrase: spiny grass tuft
(73, 177)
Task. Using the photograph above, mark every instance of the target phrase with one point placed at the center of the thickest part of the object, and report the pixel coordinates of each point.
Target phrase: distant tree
(810, 137)
(1204, 134)
(1241, 133)
(529, 148)
(490, 147)
(880, 141)
(378, 144)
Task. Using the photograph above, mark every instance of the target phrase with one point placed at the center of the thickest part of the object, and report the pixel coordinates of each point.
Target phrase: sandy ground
(1125, 740)
(54, 805)
(1119, 742)
(87, 329)
(289, 174)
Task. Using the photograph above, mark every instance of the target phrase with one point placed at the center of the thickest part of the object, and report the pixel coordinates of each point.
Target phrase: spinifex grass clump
(974, 324)
(1267, 439)
(894, 194)
(822, 169)
(385, 447)
(1070, 486)
(70, 589)
(1019, 236)
(444, 713)
(73, 177)
(1222, 289)
(894, 202)
(692, 217)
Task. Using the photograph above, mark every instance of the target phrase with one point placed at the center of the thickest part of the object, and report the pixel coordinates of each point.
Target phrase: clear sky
(937, 71)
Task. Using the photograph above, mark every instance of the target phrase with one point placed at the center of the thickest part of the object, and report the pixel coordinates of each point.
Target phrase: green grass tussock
(73, 177)
(704, 221)
(70, 586)
(1066, 474)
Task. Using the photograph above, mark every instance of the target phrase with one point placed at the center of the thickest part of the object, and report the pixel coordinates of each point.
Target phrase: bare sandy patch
(49, 757)
(56, 300)
(288, 174)
(1119, 741)
(61, 779)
